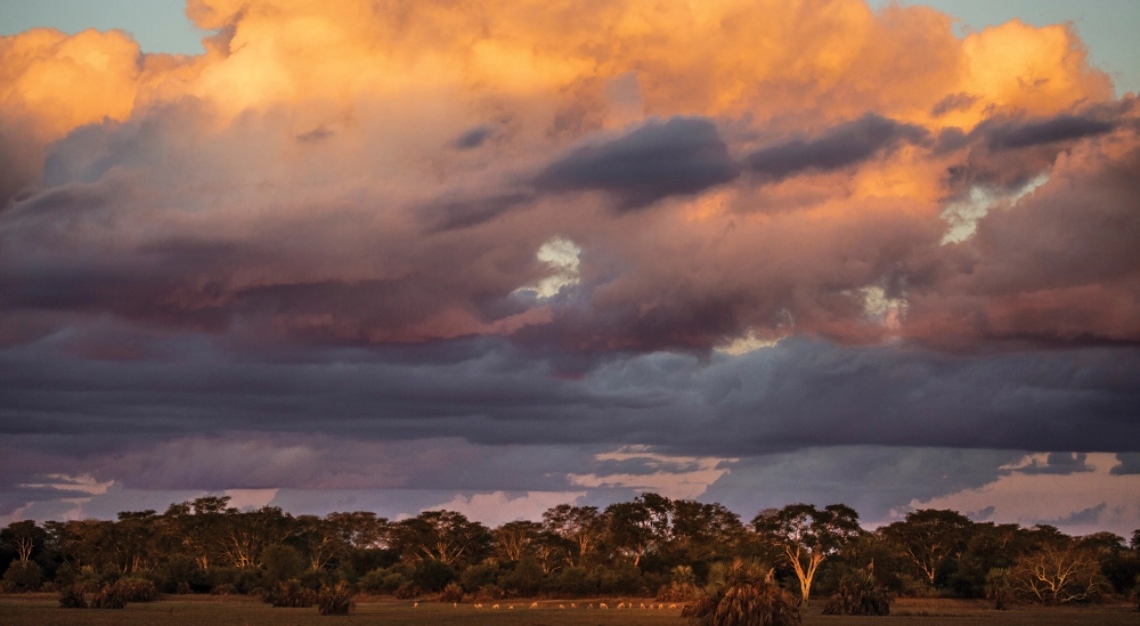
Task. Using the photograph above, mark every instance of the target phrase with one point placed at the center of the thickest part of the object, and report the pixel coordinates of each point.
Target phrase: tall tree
(582, 525)
(930, 537)
(808, 536)
(24, 538)
(514, 540)
(703, 532)
(445, 536)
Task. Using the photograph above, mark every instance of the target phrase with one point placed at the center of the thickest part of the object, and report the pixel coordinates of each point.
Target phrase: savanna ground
(43, 610)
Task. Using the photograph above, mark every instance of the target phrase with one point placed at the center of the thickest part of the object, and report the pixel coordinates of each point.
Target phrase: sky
(497, 257)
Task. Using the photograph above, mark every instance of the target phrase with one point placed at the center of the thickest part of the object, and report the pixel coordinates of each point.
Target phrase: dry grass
(43, 609)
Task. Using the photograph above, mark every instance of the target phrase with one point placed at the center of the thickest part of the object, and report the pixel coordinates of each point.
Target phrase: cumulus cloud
(533, 224)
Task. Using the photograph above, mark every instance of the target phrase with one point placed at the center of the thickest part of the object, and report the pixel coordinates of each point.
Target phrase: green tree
(445, 536)
(808, 536)
(931, 537)
(582, 526)
(23, 538)
(641, 526)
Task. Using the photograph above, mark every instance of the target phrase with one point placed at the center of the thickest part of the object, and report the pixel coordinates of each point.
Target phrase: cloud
(681, 156)
(1054, 463)
(1060, 128)
(844, 145)
(1078, 503)
(1129, 463)
(414, 248)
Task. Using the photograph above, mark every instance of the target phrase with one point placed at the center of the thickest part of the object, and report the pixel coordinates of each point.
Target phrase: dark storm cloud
(1014, 135)
(457, 213)
(1061, 463)
(681, 156)
(1129, 463)
(800, 393)
(847, 144)
(1088, 516)
(953, 102)
(474, 137)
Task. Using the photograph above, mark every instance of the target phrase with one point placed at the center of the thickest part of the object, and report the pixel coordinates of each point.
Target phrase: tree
(703, 531)
(640, 526)
(322, 539)
(808, 536)
(1058, 574)
(196, 526)
(245, 536)
(582, 525)
(24, 538)
(444, 536)
(930, 537)
(514, 540)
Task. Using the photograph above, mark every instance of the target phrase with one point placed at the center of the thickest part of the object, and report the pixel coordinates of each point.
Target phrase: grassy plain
(43, 610)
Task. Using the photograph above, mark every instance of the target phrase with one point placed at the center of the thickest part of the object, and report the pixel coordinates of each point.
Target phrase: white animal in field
(478, 606)
(573, 605)
(415, 604)
(494, 606)
(603, 606)
(511, 607)
(454, 605)
(562, 606)
(643, 605)
(534, 605)
(672, 606)
(621, 605)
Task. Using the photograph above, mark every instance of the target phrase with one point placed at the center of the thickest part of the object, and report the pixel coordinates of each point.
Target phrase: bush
(136, 589)
(406, 590)
(451, 593)
(23, 576)
(999, 587)
(432, 576)
(224, 589)
(72, 598)
(335, 600)
(282, 563)
(181, 574)
(109, 597)
(576, 581)
(490, 593)
(859, 594)
(289, 594)
(478, 576)
(244, 580)
(746, 597)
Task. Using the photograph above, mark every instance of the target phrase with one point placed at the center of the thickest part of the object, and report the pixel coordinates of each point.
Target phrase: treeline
(651, 546)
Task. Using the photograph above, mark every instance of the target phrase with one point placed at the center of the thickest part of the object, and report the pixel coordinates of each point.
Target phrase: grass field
(43, 610)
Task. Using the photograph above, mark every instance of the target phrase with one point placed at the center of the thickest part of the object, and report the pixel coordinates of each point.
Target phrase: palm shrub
(682, 588)
(289, 594)
(859, 594)
(451, 593)
(71, 597)
(137, 589)
(335, 600)
(744, 595)
(109, 596)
